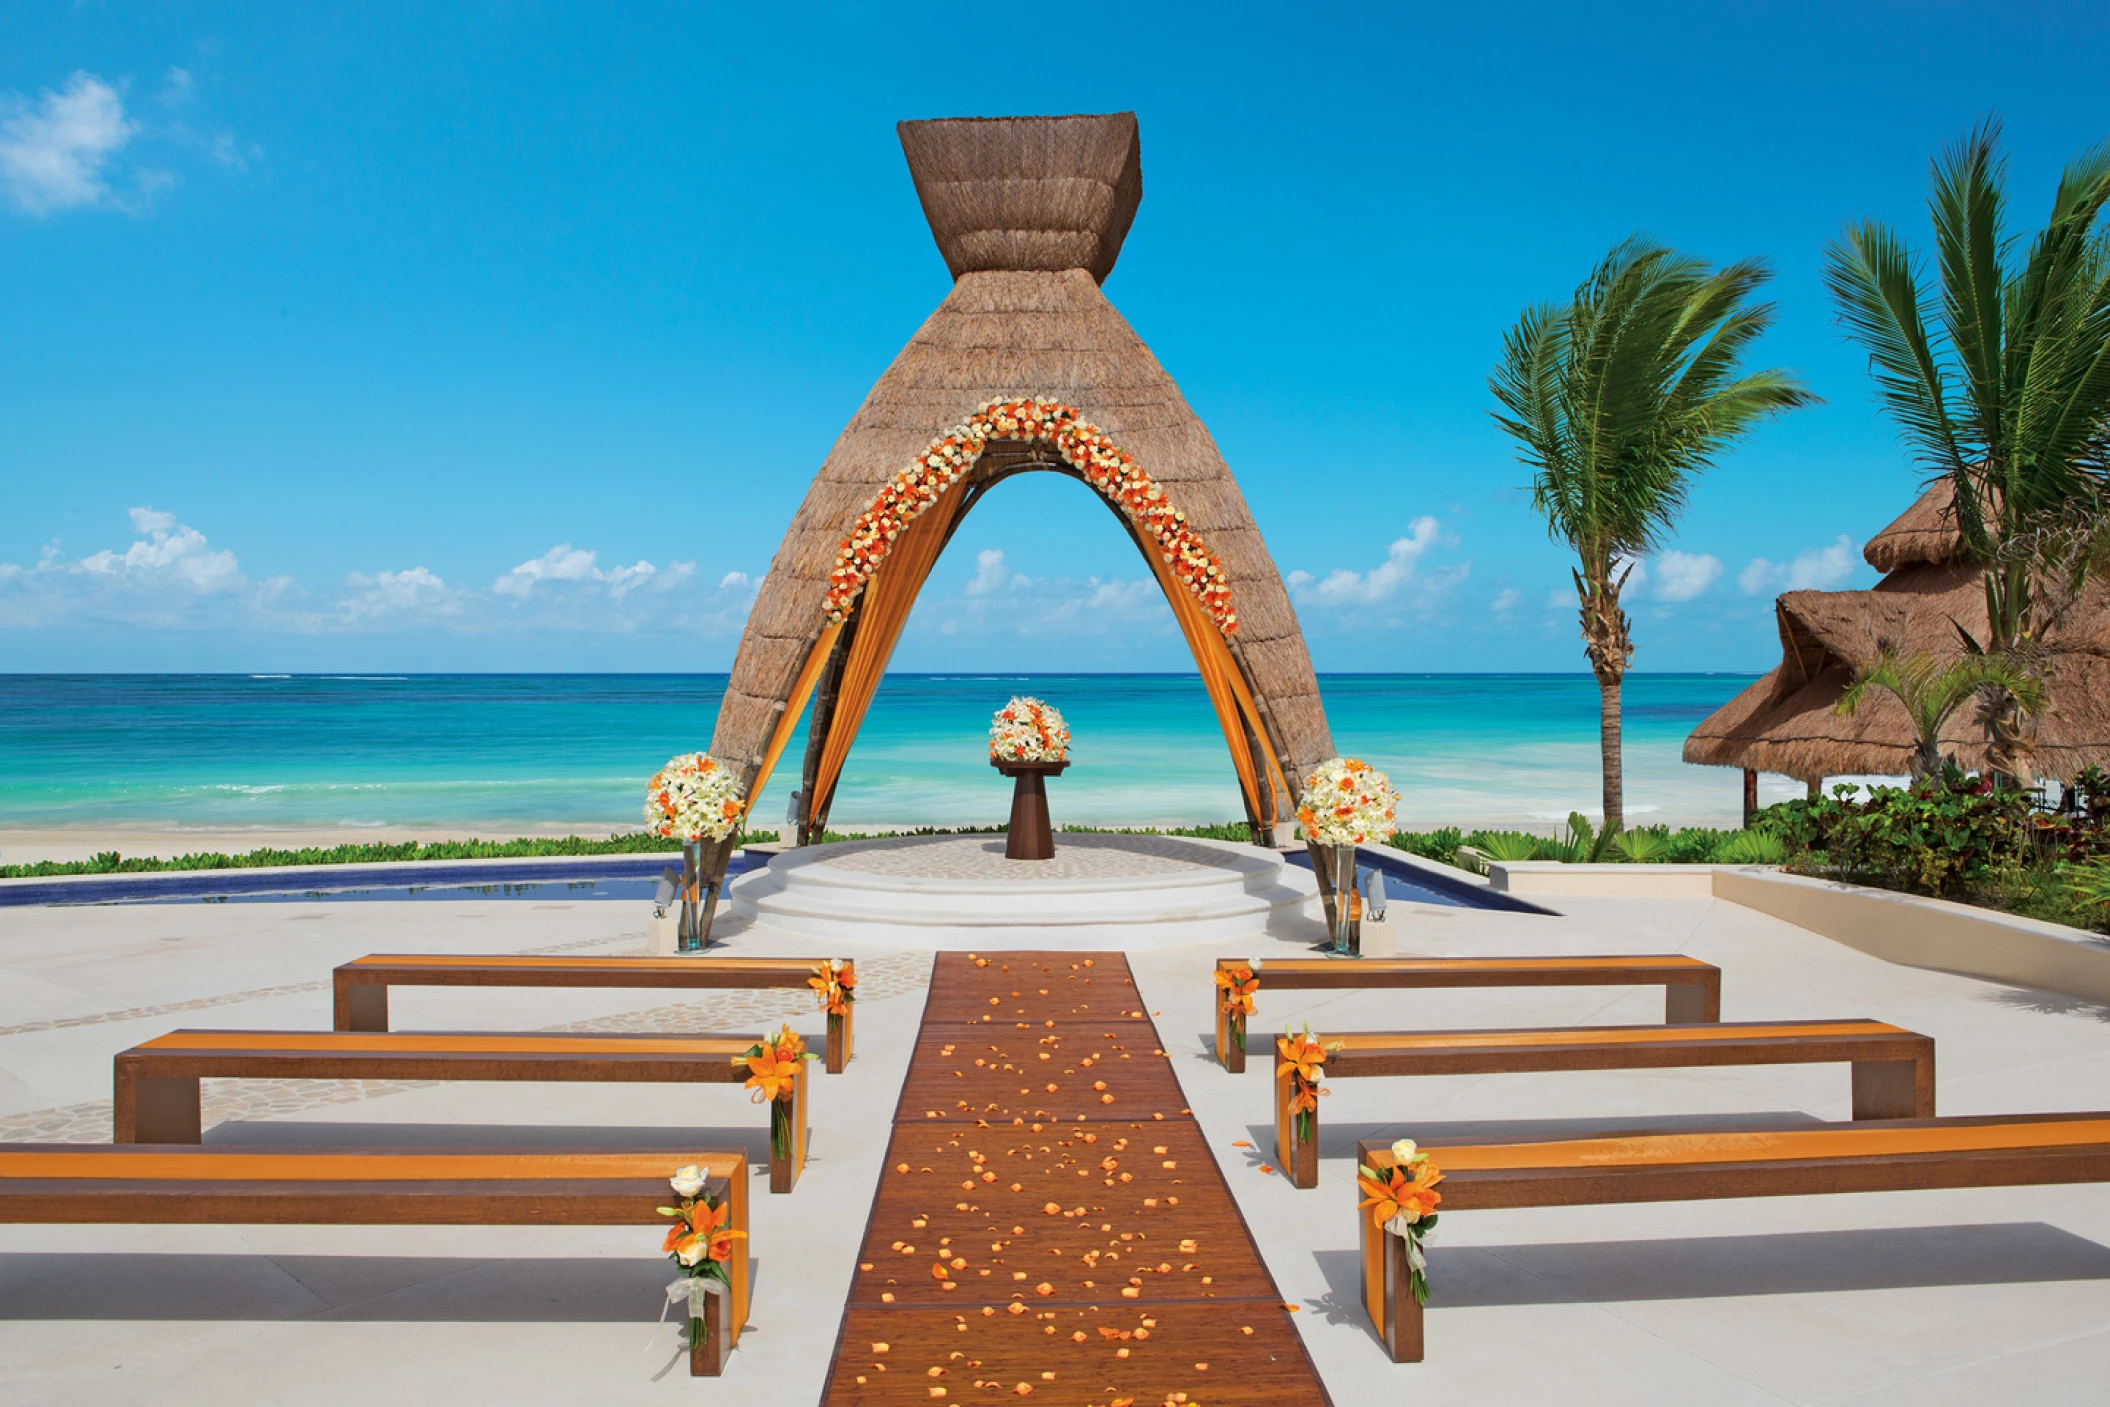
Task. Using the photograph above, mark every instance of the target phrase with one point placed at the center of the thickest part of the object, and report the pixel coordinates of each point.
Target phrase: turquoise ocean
(491, 751)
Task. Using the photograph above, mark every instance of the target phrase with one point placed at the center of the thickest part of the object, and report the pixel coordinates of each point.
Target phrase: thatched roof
(1785, 722)
(1030, 213)
(1045, 193)
(1924, 534)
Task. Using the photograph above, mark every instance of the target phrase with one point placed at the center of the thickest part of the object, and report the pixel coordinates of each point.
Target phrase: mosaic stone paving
(881, 976)
(1076, 857)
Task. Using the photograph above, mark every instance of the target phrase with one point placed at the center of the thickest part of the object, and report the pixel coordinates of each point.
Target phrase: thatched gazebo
(1786, 723)
(1030, 214)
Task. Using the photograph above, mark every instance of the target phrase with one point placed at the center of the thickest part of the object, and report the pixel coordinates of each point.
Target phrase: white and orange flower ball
(1348, 802)
(1027, 730)
(694, 797)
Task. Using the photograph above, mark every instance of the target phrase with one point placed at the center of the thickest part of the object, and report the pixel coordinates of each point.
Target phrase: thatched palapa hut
(1029, 214)
(1786, 722)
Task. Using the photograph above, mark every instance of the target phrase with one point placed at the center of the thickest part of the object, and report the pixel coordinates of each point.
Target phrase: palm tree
(1617, 400)
(1931, 692)
(2002, 384)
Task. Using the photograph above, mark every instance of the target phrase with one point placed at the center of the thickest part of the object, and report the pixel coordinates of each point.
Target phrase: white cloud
(990, 574)
(53, 152)
(172, 578)
(411, 592)
(1386, 581)
(1684, 576)
(1505, 602)
(1813, 569)
(170, 554)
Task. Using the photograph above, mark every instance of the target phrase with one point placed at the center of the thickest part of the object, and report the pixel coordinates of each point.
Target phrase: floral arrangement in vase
(835, 984)
(1347, 802)
(1402, 1201)
(694, 797)
(774, 1067)
(1028, 730)
(1236, 985)
(701, 1242)
(1107, 467)
(1304, 1061)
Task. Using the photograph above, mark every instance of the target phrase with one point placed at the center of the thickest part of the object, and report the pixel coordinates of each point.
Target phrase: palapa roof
(1030, 214)
(1786, 723)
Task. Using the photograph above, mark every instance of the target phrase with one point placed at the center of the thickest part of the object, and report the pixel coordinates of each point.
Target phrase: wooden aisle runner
(1050, 1222)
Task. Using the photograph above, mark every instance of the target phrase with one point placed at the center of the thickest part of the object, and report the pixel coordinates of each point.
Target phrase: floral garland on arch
(1402, 1201)
(694, 797)
(1027, 730)
(1082, 445)
(1348, 802)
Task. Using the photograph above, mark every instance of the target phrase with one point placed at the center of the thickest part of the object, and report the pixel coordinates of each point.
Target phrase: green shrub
(1751, 847)
(1508, 846)
(1438, 845)
(1643, 847)
(1946, 834)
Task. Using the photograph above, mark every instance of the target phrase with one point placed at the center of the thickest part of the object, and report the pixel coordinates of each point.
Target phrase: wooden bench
(1692, 990)
(1893, 1069)
(361, 986)
(157, 1082)
(1998, 1151)
(48, 1183)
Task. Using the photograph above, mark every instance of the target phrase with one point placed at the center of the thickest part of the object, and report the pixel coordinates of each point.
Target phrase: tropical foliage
(1999, 381)
(1617, 400)
(1931, 692)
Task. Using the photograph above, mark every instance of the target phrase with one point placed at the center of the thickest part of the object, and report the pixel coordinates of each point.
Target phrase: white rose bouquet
(694, 797)
(1347, 802)
(1027, 730)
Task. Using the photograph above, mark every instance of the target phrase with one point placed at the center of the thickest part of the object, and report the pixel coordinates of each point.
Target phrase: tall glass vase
(1343, 899)
(691, 930)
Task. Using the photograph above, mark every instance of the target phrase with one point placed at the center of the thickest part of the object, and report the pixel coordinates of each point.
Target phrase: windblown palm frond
(1617, 400)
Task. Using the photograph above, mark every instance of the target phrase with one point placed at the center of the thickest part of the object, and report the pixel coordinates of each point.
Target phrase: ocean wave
(270, 676)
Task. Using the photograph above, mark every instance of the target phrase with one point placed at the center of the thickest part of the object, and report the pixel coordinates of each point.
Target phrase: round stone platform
(959, 892)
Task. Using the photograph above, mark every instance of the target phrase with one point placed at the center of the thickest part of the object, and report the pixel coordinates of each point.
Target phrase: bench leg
(156, 1109)
(1402, 1327)
(1691, 1003)
(784, 1171)
(839, 1040)
(1894, 1089)
(1299, 1158)
(362, 1006)
(707, 1350)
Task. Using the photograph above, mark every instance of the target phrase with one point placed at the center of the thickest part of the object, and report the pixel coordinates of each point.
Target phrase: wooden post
(156, 1109)
(707, 1338)
(1816, 788)
(1403, 1315)
(1299, 1157)
(839, 1039)
(1750, 794)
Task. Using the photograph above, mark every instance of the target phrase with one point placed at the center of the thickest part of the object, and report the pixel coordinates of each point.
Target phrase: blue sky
(508, 336)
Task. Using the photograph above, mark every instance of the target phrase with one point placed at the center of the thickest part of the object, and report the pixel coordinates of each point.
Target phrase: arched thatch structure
(1786, 723)
(1030, 214)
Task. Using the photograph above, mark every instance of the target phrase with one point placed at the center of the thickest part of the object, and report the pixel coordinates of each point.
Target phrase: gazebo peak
(1039, 193)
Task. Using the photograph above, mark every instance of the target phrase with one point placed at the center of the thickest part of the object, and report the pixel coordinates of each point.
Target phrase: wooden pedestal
(1031, 837)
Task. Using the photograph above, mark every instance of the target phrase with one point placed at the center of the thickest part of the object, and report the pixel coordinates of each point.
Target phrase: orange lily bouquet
(701, 1242)
(1304, 1061)
(1238, 984)
(1402, 1201)
(774, 1067)
(835, 983)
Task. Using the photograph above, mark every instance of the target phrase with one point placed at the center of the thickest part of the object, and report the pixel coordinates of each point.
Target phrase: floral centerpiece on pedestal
(1028, 730)
(1402, 1201)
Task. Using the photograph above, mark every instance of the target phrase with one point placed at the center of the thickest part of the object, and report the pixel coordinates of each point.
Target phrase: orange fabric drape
(1228, 692)
(881, 614)
(801, 691)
